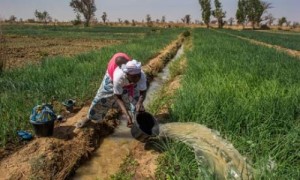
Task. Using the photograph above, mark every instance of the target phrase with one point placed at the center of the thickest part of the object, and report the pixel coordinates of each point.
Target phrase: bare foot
(81, 123)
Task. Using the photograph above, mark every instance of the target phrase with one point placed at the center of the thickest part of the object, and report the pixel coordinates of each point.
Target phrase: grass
(178, 162)
(127, 169)
(250, 94)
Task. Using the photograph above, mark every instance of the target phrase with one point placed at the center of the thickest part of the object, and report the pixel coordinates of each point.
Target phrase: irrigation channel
(222, 159)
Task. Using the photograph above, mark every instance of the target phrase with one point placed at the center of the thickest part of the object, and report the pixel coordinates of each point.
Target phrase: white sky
(173, 10)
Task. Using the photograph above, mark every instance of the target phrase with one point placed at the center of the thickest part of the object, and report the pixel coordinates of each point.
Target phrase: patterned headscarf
(132, 67)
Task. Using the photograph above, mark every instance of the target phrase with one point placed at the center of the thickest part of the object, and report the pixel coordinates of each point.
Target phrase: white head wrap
(132, 67)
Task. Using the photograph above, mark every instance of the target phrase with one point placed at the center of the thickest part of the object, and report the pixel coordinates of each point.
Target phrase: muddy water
(106, 160)
(222, 158)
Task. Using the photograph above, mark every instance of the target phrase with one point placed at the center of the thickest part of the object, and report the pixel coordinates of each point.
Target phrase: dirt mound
(56, 157)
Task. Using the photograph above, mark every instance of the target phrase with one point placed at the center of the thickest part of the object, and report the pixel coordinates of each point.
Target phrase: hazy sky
(173, 10)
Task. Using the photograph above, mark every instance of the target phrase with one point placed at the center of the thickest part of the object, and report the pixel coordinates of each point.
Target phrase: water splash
(222, 158)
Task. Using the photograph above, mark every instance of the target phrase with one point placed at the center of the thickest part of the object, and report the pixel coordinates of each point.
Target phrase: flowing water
(222, 158)
(108, 157)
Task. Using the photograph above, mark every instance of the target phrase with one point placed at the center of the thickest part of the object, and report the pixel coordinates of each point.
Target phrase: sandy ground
(21, 50)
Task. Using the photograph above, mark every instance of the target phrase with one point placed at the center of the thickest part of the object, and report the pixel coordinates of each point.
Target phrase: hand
(129, 121)
(139, 107)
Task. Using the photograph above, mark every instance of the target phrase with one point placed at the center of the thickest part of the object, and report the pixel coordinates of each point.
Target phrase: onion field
(250, 94)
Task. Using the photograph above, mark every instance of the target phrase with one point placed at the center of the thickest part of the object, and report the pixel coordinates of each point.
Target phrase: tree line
(247, 11)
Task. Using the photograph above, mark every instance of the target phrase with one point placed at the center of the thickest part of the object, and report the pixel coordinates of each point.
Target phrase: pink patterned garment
(112, 64)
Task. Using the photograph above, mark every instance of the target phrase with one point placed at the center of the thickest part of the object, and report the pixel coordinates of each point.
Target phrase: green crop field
(250, 94)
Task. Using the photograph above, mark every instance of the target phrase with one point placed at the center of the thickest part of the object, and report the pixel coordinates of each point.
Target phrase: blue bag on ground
(42, 113)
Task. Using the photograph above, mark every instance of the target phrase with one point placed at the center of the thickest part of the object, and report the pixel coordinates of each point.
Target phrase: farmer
(125, 87)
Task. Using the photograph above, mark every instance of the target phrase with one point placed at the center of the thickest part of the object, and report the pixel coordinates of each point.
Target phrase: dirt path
(290, 52)
(58, 156)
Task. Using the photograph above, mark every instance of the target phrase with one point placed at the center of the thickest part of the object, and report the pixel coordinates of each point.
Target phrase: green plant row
(78, 77)
(290, 41)
(251, 94)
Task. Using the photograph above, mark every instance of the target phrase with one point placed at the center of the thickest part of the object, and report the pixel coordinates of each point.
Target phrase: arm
(139, 104)
(121, 104)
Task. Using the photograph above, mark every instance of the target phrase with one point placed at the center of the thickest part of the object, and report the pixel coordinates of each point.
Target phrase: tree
(295, 25)
(77, 20)
(42, 16)
(281, 21)
(206, 11)
(126, 22)
(186, 19)
(163, 19)
(86, 7)
(219, 13)
(241, 13)
(148, 18)
(255, 9)
(12, 18)
(262, 10)
(133, 23)
(230, 21)
(104, 17)
(270, 19)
